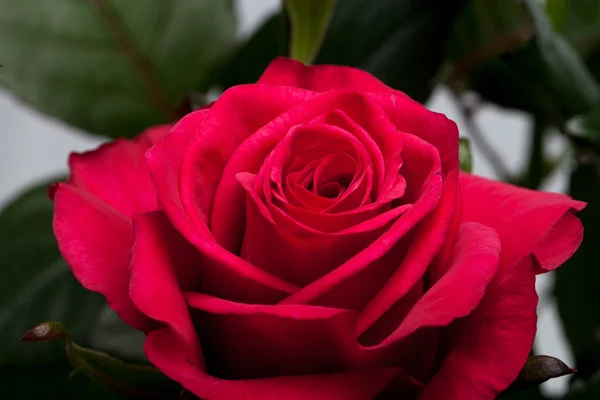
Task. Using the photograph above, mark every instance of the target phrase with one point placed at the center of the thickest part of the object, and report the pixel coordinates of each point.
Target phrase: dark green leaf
(566, 73)
(464, 155)
(399, 41)
(36, 283)
(578, 21)
(111, 66)
(539, 369)
(129, 379)
(252, 57)
(112, 335)
(509, 81)
(544, 76)
(556, 10)
(483, 29)
(577, 287)
(309, 19)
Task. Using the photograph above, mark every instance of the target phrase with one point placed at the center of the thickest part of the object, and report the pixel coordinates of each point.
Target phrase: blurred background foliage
(114, 67)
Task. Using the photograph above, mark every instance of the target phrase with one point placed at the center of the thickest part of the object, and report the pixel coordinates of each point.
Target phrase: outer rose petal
(162, 265)
(117, 174)
(526, 221)
(92, 217)
(278, 340)
(321, 78)
(429, 238)
(168, 354)
(473, 264)
(164, 257)
(489, 348)
(153, 135)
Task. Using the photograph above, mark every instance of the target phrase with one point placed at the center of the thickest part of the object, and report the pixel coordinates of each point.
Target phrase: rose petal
(411, 117)
(159, 246)
(527, 221)
(250, 155)
(474, 262)
(274, 239)
(164, 160)
(429, 239)
(95, 239)
(489, 348)
(373, 128)
(106, 187)
(233, 118)
(338, 155)
(170, 355)
(278, 340)
(153, 135)
(320, 78)
(441, 262)
(117, 174)
(365, 218)
(359, 279)
(374, 157)
(175, 349)
(280, 245)
(161, 258)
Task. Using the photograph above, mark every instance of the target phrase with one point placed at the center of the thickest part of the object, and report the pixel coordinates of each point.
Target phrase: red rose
(310, 237)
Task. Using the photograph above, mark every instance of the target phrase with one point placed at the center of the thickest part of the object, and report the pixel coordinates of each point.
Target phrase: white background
(34, 147)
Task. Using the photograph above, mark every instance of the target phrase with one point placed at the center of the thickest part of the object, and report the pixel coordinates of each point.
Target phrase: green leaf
(483, 29)
(577, 287)
(309, 20)
(36, 283)
(566, 73)
(401, 42)
(129, 379)
(111, 67)
(539, 369)
(544, 75)
(581, 26)
(252, 57)
(556, 10)
(510, 81)
(578, 21)
(464, 155)
(112, 335)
